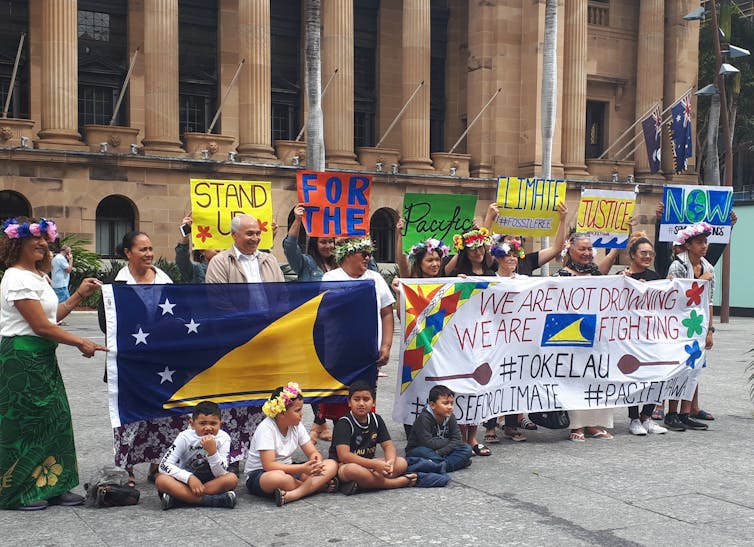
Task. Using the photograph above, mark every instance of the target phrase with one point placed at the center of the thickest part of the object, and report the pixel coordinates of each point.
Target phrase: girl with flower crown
(37, 453)
(270, 471)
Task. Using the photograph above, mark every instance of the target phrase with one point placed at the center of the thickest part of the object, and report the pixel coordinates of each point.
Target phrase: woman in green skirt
(37, 453)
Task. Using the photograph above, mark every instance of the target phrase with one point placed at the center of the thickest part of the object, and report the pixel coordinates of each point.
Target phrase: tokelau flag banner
(172, 346)
(510, 345)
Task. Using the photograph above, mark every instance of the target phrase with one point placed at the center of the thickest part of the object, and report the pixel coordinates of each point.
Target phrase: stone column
(161, 104)
(680, 71)
(574, 88)
(416, 68)
(59, 121)
(337, 104)
(254, 82)
(480, 86)
(650, 48)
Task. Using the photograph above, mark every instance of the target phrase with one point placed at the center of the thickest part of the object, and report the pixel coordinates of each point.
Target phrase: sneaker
(653, 428)
(673, 422)
(690, 423)
(33, 506)
(69, 499)
(167, 501)
(228, 499)
(636, 427)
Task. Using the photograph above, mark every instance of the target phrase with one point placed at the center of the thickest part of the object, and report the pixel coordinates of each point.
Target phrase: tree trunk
(711, 160)
(315, 145)
(549, 85)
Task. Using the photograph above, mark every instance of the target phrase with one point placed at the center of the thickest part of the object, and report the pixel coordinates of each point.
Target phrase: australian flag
(172, 346)
(652, 127)
(680, 133)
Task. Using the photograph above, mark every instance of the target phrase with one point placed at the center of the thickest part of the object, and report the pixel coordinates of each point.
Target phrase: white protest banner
(534, 344)
(686, 205)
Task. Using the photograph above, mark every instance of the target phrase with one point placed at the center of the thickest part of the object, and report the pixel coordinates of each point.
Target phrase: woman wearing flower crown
(37, 453)
(270, 471)
(319, 258)
(692, 264)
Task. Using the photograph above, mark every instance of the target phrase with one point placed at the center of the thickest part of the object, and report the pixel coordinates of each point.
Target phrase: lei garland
(501, 248)
(353, 246)
(700, 228)
(431, 245)
(472, 239)
(13, 230)
(285, 398)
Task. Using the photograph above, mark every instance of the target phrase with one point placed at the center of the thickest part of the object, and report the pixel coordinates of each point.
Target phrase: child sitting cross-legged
(194, 470)
(270, 470)
(354, 445)
(435, 434)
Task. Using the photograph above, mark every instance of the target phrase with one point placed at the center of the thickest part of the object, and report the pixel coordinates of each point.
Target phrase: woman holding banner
(579, 262)
(319, 258)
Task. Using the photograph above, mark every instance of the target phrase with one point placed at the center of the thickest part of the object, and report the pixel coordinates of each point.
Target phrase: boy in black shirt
(354, 444)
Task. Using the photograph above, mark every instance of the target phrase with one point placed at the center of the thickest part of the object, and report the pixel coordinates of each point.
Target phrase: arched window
(382, 232)
(13, 204)
(115, 218)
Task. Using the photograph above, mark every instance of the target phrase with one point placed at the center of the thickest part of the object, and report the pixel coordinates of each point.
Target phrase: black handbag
(554, 419)
(109, 487)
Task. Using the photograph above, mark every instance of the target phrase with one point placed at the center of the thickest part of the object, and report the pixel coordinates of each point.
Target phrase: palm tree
(549, 85)
(315, 146)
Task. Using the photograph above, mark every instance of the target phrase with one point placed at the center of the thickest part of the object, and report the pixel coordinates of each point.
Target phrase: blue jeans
(62, 294)
(457, 459)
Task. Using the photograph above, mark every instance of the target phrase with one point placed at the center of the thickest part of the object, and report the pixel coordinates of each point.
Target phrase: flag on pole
(680, 132)
(172, 346)
(652, 127)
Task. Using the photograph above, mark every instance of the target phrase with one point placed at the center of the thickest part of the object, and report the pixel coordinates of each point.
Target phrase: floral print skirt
(37, 452)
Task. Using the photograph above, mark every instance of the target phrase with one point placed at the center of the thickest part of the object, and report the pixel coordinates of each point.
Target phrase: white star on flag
(192, 326)
(141, 337)
(167, 307)
(166, 375)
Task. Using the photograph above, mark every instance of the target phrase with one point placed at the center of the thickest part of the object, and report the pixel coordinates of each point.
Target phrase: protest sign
(214, 203)
(335, 204)
(439, 216)
(686, 205)
(528, 207)
(605, 215)
(539, 344)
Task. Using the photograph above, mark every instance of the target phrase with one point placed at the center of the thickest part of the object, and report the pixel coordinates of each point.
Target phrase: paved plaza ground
(691, 488)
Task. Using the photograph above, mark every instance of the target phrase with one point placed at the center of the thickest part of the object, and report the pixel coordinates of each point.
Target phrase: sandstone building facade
(60, 156)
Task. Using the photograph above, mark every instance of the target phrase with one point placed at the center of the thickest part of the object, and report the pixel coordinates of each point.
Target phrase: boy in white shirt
(194, 470)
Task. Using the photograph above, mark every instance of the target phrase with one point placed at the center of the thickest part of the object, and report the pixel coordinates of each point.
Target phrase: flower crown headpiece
(285, 398)
(353, 246)
(700, 228)
(501, 248)
(431, 245)
(472, 239)
(14, 230)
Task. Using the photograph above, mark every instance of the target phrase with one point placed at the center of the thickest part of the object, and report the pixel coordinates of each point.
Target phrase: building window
(13, 204)
(439, 46)
(197, 59)
(115, 218)
(285, 57)
(382, 232)
(595, 128)
(598, 13)
(365, 17)
(14, 21)
(103, 60)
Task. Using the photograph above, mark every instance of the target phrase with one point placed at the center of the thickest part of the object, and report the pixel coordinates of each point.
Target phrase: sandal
(703, 415)
(279, 497)
(333, 486)
(576, 436)
(480, 450)
(513, 435)
(527, 424)
(491, 438)
(601, 434)
(349, 488)
(413, 478)
(658, 415)
(131, 481)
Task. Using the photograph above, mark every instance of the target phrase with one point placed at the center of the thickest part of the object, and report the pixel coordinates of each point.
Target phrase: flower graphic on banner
(695, 294)
(262, 225)
(694, 351)
(693, 323)
(204, 233)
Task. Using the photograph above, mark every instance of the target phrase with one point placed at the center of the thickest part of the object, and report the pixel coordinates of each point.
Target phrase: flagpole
(639, 120)
(13, 75)
(636, 136)
(398, 116)
(324, 92)
(468, 127)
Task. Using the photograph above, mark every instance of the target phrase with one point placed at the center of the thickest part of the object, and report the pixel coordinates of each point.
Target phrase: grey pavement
(692, 488)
